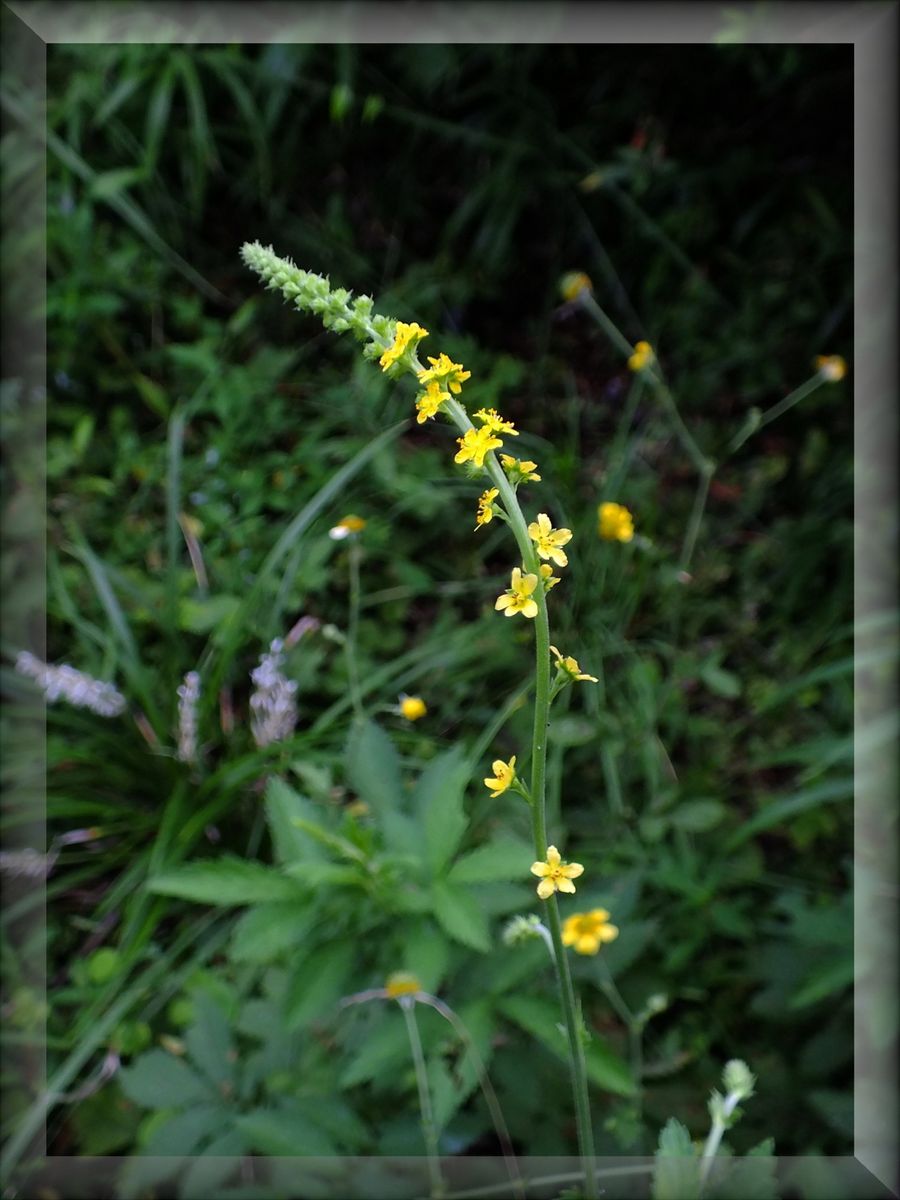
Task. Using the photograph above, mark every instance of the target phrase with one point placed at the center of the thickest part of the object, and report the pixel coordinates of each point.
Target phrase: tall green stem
(531, 562)
(350, 647)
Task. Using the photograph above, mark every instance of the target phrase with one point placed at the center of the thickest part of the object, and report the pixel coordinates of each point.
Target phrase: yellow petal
(609, 933)
(587, 945)
(503, 601)
(539, 868)
(572, 870)
(529, 609)
(553, 856)
(599, 914)
(565, 885)
(545, 889)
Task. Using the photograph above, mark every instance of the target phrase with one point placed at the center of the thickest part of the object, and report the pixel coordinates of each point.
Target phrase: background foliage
(706, 781)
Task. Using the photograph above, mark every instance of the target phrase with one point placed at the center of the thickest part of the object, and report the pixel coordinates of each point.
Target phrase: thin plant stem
(487, 1087)
(429, 1132)
(697, 510)
(715, 1136)
(756, 420)
(531, 563)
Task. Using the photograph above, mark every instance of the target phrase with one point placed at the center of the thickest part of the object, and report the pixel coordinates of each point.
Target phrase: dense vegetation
(202, 441)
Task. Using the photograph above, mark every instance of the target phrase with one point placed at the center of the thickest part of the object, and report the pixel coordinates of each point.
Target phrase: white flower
(65, 683)
(188, 695)
(272, 705)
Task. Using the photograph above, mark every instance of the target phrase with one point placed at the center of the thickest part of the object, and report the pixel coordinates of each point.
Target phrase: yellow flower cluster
(571, 668)
(831, 367)
(504, 774)
(485, 512)
(405, 337)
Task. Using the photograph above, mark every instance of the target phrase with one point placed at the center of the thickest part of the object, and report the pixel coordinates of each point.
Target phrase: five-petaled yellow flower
(491, 419)
(474, 445)
(616, 524)
(404, 337)
(642, 357)
(517, 599)
(429, 402)
(549, 541)
(556, 876)
(520, 470)
(402, 983)
(548, 579)
(504, 774)
(830, 366)
(445, 371)
(587, 931)
(412, 707)
(485, 512)
(571, 667)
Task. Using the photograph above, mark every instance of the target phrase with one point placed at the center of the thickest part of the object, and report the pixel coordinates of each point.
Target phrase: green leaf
(373, 768)
(384, 1053)
(676, 1173)
(225, 881)
(209, 1171)
(460, 916)
(697, 816)
(785, 807)
(283, 1130)
(158, 1080)
(208, 1041)
(284, 807)
(438, 799)
(203, 616)
(720, 681)
(751, 1178)
(502, 859)
(542, 1019)
(318, 982)
(833, 977)
(109, 183)
(315, 875)
(426, 953)
(267, 930)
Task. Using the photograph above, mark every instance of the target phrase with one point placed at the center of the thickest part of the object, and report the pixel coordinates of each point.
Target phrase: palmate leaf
(459, 914)
(159, 1080)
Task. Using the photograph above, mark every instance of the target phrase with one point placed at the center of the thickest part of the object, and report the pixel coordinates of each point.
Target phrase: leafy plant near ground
(708, 780)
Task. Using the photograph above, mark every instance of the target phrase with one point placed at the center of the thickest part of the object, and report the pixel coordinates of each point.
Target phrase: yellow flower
(518, 597)
(616, 524)
(548, 579)
(428, 403)
(571, 667)
(443, 370)
(549, 541)
(485, 512)
(474, 445)
(492, 420)
(519, 470)
(573, 284)
(346, 526)
(830, 366)
(556, 876)
(642, 357)
(404, 337)
(504, 774)
(586, 931)
(402, 983)
(412, 707)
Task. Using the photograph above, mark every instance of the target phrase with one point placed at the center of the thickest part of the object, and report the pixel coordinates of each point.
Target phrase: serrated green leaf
(283, 807)
(373, 768)
(208, 1041)
(226, 881)
(502, 859)
(267, 930)
(158, 1080)
(438, 799)
(382, 1053)
(676, 1172)
(318, 982)
(460, 916)
(283, 1130)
